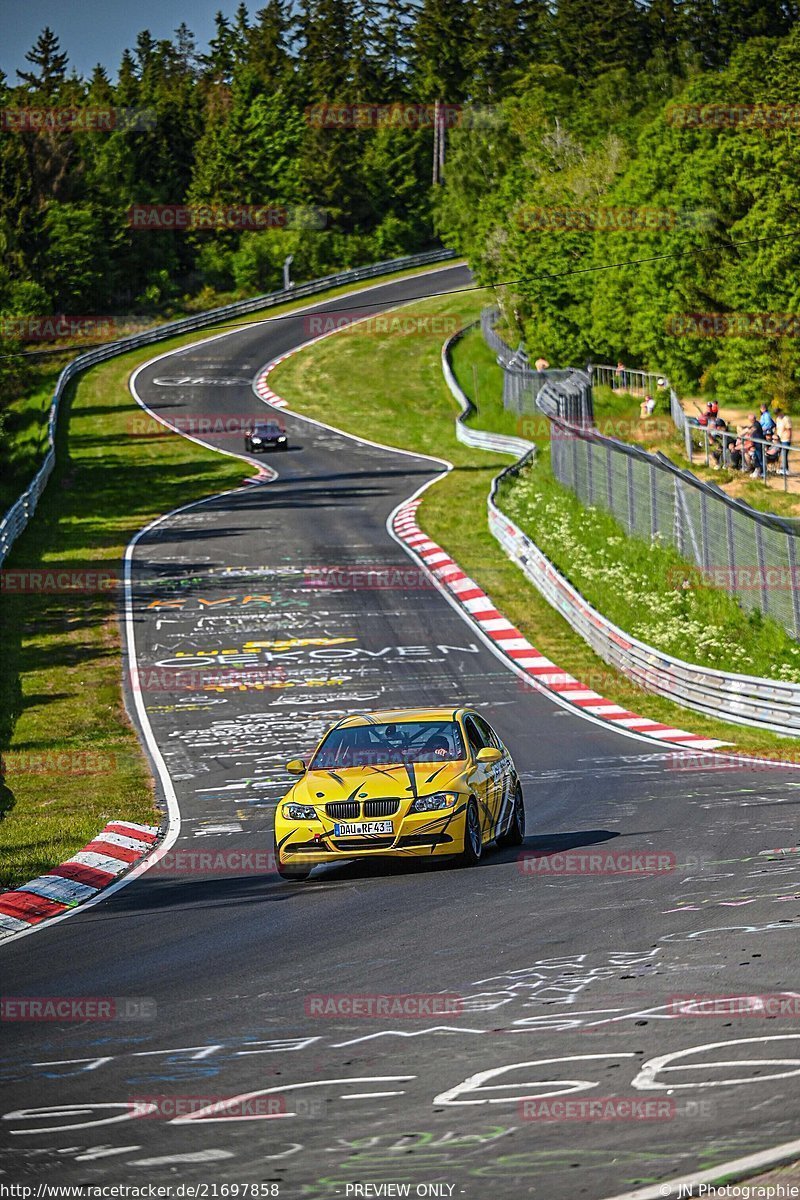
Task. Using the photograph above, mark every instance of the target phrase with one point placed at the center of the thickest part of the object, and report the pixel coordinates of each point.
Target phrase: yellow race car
(423, 782)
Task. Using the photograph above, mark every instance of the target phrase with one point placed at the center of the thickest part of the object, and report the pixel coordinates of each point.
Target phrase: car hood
(372, 783)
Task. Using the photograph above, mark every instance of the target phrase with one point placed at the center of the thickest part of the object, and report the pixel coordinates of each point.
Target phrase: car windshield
(390, 745)
(267, 430)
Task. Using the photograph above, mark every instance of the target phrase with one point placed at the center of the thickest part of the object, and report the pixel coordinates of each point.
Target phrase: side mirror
(296, 766)
(489, 754)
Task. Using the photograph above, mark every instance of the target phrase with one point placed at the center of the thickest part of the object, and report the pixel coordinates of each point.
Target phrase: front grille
(349, 810)
(343, 809)
(380, 808)
(371, 843)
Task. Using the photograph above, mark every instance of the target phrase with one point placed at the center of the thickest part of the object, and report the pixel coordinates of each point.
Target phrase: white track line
(173, 814)
(687, 1185)
(451, 600)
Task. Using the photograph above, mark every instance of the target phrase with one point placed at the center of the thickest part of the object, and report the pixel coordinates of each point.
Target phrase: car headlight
(436, 801)
(300, 812)
(255, 439)
(281, 439)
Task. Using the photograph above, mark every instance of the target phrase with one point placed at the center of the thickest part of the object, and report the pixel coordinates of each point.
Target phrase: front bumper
(422, 835)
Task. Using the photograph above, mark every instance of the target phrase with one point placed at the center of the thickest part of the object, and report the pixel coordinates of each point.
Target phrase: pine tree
(664, 25)
(393, 40)
(49, 64)
(326, 31)
(100, 89)
(714, 28)
(590, 37)
(267, 51)
(440, 68)
(505, 37)
(127, 89)
(186, 48)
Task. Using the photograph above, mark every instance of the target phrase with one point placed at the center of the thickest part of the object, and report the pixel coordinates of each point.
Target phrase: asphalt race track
(561, 985)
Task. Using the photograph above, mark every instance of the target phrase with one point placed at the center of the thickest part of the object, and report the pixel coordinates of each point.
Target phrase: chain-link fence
(751, 554)
(521, 383)
(638, 383)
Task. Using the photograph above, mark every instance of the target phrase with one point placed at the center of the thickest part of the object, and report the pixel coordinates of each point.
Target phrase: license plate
(362, 828)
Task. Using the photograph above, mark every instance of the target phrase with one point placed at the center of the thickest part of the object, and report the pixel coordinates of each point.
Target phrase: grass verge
(395, 390)
(71, 761)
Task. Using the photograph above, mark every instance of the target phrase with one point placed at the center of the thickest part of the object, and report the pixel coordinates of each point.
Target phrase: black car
(267, 435)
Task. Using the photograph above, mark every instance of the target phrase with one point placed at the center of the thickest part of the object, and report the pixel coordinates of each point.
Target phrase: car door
(504, 776)
(482, 777)
(498, 772)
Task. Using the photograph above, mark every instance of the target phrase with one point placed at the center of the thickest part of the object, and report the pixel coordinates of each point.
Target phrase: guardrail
(751, 554)
(742, 699)
(479, 439)
(521, 382)
(20, 513)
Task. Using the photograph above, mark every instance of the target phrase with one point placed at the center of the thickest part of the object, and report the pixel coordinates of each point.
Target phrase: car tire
(292, 874)
(472, 853)
(515, 833)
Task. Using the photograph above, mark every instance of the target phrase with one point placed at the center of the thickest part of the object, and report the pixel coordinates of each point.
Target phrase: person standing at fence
(765, 420)
(718, 453)
(754, 451)
(783, 424)
(620, 378)
(541, 363)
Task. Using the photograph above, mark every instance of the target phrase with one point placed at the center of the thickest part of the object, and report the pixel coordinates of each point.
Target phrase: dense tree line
(568, 103)
(687, 170)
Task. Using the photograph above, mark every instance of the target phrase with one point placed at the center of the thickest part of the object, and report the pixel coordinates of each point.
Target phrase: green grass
(60, 690)
(23, 443)
(475, 366)
(649, 591)
(396, 390)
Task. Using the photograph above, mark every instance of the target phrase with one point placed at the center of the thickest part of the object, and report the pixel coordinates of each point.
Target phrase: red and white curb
(262, 388)
(516, 647)
(482, 612)
(115, 849)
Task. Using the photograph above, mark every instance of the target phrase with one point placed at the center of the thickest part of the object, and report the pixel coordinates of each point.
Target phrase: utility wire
(474, 287)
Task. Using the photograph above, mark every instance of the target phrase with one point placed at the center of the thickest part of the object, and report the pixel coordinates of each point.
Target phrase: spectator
(541, 363)
(765, 419)
(783, 426)
(718, 453)
(751, 445)
(772, 452)
(620, 378)
(735, 452)
(712, 408)
(651, 405)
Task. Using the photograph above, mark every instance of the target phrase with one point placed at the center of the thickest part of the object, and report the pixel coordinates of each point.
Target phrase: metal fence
(479, 439)
(763, 458)
(745, 699)
(521, 384)
(751, 554)
(20, 513)
(638, 383)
